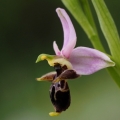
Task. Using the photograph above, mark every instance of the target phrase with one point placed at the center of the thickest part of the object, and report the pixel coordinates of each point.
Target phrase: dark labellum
(59, 91)
(60, 96)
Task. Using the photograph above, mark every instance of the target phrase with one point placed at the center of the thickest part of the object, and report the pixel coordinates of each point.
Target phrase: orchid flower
(70, 63)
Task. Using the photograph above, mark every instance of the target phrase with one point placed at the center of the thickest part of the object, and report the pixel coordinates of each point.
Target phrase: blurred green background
(27, 29)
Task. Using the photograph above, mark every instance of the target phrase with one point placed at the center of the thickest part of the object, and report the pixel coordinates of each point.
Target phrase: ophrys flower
(70, 63)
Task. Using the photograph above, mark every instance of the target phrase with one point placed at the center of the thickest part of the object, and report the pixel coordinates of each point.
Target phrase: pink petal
(56, 49)
(69, 33)
(87, 60)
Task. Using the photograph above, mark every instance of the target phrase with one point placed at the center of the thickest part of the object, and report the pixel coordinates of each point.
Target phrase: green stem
(87, 11)
(114, 75)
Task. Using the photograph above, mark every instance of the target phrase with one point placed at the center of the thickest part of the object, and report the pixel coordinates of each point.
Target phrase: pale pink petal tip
(56, 49)
(69, 32)
(87, 60)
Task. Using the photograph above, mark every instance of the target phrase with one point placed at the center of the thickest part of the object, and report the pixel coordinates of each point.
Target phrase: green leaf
(109, 29)
(87, 11)
(114, 75)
